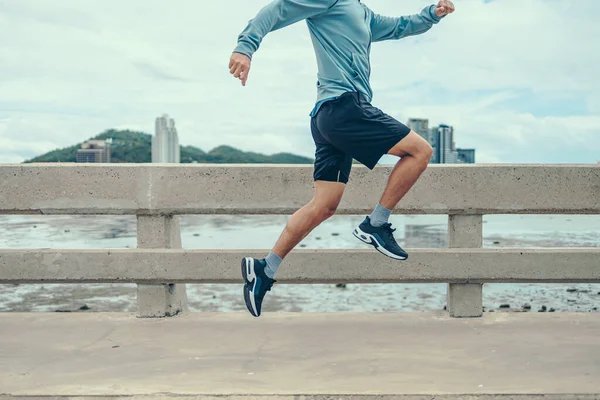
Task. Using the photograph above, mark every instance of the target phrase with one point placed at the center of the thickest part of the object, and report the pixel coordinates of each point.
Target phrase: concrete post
(164, 300)
(465, 299)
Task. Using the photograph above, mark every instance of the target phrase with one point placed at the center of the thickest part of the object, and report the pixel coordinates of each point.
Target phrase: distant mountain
(136, 147)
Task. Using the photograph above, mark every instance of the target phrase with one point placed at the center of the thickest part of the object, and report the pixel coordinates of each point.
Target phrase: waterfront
(244, 232)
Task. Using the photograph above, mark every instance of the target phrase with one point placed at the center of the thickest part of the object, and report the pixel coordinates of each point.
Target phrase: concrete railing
(157, 194)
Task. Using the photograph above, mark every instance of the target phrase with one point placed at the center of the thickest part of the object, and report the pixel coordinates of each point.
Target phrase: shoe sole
(372, 240)
(249, 278)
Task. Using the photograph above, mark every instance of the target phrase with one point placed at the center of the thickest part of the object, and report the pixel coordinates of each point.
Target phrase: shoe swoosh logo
(368, 240)
(257, 285)
(251, 284)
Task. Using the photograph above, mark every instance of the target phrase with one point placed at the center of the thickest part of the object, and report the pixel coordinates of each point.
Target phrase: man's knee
(422, 151)
(326, 200)
(426, 152)
(413, 145)
(324, 211)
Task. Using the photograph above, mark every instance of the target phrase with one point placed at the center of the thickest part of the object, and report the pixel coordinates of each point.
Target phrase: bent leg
(376, 230)
(415, 154)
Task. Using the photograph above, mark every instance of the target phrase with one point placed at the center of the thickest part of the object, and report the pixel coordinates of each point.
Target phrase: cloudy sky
(518, 79)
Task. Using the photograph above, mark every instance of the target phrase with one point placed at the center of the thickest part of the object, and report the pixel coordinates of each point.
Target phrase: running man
(344, 124)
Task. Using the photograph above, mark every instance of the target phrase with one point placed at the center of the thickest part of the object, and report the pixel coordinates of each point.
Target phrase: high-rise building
(165, 142)
(421, 126)
(466, 156)
(94, 151)
(445, 150)
(441, 138)
(433, 134)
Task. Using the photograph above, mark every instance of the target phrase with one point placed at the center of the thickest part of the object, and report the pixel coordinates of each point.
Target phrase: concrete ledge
(173, 396)
(302, 266)
(317, 356)
(214, 189)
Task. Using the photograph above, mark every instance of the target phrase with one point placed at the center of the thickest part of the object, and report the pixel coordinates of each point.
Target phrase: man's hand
(239, 66)
(444, 7)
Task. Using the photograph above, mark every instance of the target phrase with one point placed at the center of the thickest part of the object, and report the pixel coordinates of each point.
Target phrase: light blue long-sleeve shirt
(342, 32)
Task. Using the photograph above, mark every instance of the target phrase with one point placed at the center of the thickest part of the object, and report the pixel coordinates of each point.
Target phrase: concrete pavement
(319, 356)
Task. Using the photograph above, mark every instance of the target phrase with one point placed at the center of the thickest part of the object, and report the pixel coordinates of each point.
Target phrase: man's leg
(415, 154)
(259, 273)
(326, 199)
(331, 173)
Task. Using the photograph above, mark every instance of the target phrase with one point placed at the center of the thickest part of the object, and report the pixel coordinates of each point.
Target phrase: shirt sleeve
(276, 15)
(388, 28)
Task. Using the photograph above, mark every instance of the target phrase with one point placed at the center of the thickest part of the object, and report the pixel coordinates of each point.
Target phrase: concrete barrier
(162, 299)
(302, 266)
(158, 193)
(232, 189)
(465, 299)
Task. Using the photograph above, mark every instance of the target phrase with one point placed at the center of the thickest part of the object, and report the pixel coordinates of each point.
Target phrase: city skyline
(441, 138)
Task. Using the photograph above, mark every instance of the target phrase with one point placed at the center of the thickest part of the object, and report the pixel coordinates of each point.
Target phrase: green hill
(136, 147)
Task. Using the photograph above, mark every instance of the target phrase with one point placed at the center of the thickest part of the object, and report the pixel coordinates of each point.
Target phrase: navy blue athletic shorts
(347, 128)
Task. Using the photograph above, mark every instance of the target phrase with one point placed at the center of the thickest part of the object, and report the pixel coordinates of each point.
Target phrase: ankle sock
(380, 216)
(273, 263)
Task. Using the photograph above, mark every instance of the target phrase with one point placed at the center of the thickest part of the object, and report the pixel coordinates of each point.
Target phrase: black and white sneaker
(257, 284)
(382, 238)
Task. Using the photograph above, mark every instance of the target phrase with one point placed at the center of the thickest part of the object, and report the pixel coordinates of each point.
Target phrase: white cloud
(72, 68)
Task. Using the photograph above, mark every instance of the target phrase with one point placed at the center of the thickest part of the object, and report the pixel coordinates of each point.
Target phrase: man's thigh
(331, 163)
(412, 144)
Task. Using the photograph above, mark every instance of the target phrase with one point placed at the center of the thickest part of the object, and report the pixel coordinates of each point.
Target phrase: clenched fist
(444, 7)
(239, 66)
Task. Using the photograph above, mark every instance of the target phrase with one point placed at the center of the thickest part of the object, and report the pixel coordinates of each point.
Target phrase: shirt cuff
(244, 49)
(434, 16)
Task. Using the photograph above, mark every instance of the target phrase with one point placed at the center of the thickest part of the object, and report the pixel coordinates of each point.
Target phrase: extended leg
(258, 273)
(323, 205)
